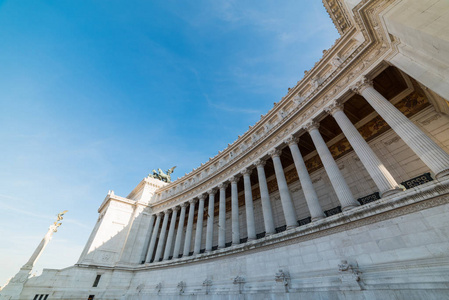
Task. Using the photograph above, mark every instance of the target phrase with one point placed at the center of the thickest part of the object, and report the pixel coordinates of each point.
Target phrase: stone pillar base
(442, 174)
(393, 191)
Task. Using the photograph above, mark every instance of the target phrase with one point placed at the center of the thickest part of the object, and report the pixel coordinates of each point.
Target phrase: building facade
(340, 191)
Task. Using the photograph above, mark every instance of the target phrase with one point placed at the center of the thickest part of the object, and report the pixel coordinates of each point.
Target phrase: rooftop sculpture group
(165, 177)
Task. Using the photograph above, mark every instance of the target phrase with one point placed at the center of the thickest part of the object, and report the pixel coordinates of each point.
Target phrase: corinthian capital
(361, 85)
(212, 191)
(193, 201)
(260, 162)
(202, 196)
(234, 179)
(222, 185)
(246, 171)
(291, 140)
(311, 126)
(334, 107)
(275, 153)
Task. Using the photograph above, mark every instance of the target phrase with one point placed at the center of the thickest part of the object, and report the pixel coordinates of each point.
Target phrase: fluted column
(147, 240)
(199, 225)
(210, 219)
(265, 198)
(153, 238)
(427, 150)
(235, 211)
(286, 198)
(171, 233)
(180, 231)
(222, 216)
(316, 212)
(376, 169)
(338, 182)
(249, 207)
(160, 244)
(189, 229)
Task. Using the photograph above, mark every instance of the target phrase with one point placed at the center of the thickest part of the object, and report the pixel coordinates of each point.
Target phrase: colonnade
(430, 153)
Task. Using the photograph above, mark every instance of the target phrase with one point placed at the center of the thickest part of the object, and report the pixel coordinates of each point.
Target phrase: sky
(94, 95)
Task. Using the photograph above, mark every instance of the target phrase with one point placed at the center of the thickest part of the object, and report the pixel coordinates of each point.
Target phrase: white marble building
(341, 191)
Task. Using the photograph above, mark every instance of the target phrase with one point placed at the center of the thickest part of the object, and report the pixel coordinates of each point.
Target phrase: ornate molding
(291, 140)
(361, 85)
(275, 153)
(311, 126)
(334, 107)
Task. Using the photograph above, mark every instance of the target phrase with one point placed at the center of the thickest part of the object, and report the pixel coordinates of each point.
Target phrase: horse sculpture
(165, 177)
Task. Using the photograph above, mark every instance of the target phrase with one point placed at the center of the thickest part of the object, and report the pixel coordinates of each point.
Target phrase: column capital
(292, 140)
(260, 163)
(184, 204)
(361, 85)
(176, 208)
(246, 171)
(167, 211)
(159, 214)
(234, 179)
(311, 126)
(275, 153)
(193, 201)
(222, 185)
(202, 197)
(334, 107)
(212, 191)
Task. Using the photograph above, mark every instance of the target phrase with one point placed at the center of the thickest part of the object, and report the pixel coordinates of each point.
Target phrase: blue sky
(96, 94)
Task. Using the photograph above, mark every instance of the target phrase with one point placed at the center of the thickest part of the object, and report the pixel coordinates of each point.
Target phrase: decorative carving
(181, 287)
(334, 107)
(275, 153)
(240, 281)
(193, 201)
(349, 276)
(291, 140)
(260, 163)
(222, 186)
(283, 278)
(212, 191)
(246, 171)
(431, 119)
(202, 196)
(175, 208)
(311, 126)
(207, 284)
(158, 287)
(361, 85)
(234, 179)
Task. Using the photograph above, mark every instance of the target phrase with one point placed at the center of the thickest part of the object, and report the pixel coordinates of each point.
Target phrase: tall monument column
(265, 198)
(222, 216)
(249, 207)
(383, 179)
(427, 150)
(199, 225)
(153, 238)
(286, 199)
(179, 233)
(210, 219)
(338, 182)
(188, 237)
(171, 233)
(160, 244)
(316, 212)
(235, 211)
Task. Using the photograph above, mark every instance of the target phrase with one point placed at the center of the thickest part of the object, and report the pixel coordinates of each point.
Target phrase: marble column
(189, 229)
(180, 231)
(222, 216)
(265, 198)
(210, 220)
(286, 198)
(316, 212)
(376, 169)
(427, 150)
(199, 225)
(153, 238)
(235, 211)
(338, 182)
(249, 207)
(171, 233)
(147, 239)
(160, 244)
